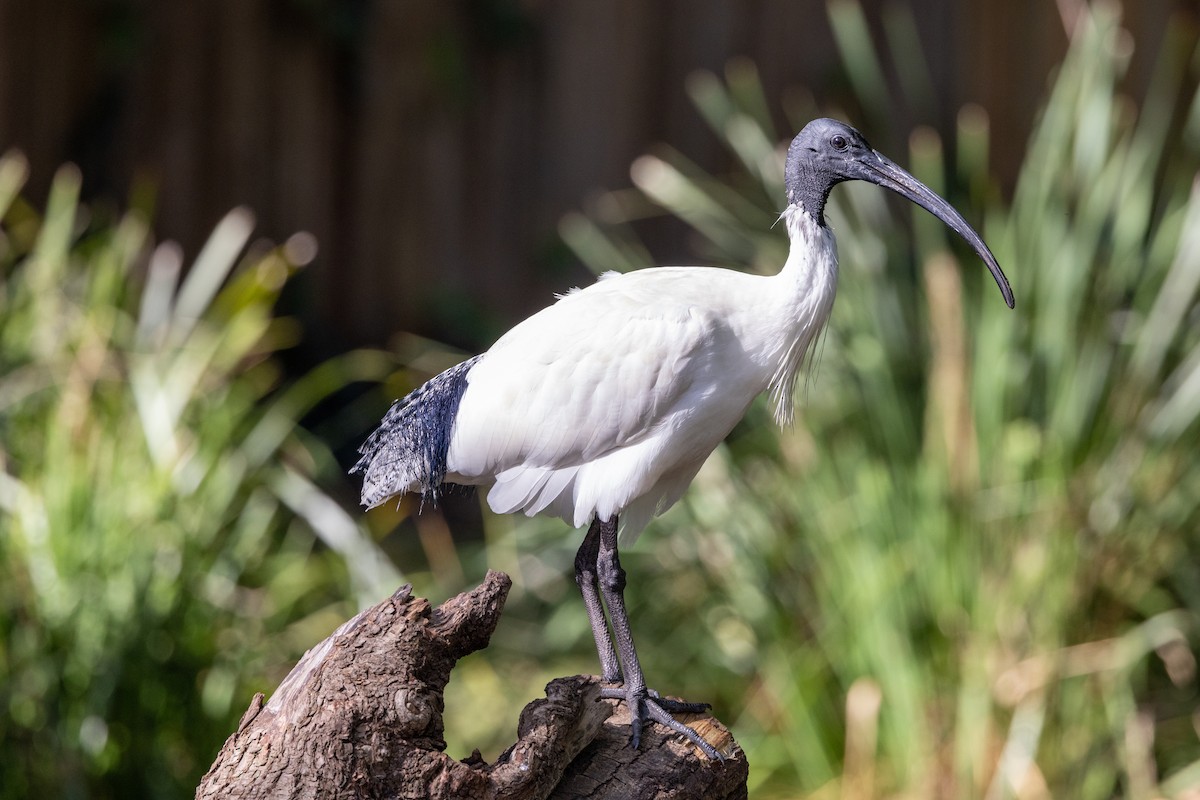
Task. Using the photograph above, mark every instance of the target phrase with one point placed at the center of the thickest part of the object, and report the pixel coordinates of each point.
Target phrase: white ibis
(603, 406)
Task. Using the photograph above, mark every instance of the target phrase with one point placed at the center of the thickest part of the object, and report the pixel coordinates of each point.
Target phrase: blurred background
(234, 231)
(433, 147)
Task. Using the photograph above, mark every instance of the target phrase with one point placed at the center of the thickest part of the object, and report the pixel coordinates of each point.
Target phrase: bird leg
(643, 703)
(585, 575)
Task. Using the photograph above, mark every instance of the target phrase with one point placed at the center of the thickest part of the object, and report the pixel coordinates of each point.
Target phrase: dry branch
(361, 716)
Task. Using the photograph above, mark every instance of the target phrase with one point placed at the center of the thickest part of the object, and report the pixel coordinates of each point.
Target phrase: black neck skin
(808, 186)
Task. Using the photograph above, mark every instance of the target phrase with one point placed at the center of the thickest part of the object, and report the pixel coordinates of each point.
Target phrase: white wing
(579, 409)
(595, 372)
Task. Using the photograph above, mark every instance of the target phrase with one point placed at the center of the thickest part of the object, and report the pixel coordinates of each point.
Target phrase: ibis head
(828, 152)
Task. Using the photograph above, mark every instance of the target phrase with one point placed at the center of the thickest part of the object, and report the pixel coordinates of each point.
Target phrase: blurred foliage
(161, 553)
(969, 570)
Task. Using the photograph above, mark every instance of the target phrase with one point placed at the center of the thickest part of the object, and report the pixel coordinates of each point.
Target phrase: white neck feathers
(808, 283)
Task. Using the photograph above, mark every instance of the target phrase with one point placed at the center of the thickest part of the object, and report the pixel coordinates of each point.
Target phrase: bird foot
(649, 704)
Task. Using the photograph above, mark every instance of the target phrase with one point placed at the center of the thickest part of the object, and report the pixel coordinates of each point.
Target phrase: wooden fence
(430, 145)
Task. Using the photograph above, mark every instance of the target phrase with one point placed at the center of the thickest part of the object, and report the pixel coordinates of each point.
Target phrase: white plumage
(609, 401)
(601, 408)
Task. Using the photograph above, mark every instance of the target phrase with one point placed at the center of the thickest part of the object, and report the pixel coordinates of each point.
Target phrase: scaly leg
(585, 576)
(642, 702)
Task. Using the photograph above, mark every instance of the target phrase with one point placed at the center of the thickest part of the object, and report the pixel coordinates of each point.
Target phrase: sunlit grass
(164, 550)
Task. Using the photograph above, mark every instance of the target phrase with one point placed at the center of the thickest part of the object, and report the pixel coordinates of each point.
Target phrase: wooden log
(361, 716)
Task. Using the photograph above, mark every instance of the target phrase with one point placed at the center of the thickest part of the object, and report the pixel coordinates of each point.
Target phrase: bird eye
(839, 142)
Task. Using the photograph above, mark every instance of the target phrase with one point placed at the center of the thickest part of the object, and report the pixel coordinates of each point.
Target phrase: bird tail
(407, 452)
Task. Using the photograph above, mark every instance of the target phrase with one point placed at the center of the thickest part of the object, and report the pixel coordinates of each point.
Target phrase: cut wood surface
(361, 716)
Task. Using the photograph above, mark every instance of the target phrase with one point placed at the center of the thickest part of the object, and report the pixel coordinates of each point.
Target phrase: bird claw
(649, 704)
(673, 706)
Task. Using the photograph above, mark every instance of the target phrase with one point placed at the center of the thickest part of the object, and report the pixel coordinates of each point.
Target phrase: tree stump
(361, 716)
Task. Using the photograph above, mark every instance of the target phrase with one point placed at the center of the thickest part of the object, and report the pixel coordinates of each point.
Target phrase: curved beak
(882, 171)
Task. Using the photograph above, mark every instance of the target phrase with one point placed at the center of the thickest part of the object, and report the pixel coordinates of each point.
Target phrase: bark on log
(361, 716)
